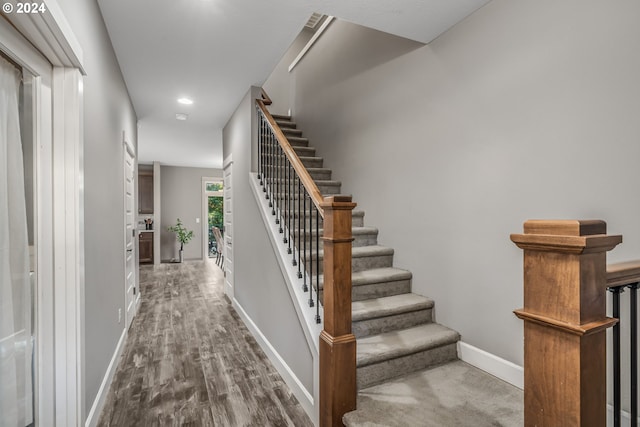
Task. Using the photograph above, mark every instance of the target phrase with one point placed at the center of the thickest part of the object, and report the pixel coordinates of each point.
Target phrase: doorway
(213, 203)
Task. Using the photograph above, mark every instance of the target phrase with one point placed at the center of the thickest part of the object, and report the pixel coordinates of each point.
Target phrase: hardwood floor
(190, 361)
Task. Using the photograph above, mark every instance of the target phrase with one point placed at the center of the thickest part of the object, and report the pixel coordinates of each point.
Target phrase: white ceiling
(214, 50)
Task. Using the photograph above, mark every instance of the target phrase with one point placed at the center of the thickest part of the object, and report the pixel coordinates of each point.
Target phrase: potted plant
(182, 234)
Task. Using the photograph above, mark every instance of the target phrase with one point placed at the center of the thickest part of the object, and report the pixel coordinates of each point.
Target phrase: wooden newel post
(565, 321)
(337, 343)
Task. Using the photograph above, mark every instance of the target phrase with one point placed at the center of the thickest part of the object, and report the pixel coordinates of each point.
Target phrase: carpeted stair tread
(379, 275)
(391, 345)
(389, 306)
(452, 394)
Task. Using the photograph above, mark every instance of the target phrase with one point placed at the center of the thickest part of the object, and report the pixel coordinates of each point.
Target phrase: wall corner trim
(311, 42)
(96, 409)
(492, 364)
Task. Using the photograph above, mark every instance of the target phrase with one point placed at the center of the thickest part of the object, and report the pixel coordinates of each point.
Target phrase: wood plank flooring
(190, 361)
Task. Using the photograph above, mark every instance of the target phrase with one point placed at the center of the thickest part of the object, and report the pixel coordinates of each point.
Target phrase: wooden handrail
(623, 273)
(265, 98)
(295, 161)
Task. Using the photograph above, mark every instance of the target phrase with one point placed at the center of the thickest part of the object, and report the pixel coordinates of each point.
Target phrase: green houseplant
(182, 234)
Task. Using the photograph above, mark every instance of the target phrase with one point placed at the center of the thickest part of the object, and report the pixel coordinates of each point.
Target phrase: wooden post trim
(337, 343)
(586, 329)
(564, 315)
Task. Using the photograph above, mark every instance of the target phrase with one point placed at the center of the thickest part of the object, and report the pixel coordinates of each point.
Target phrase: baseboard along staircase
(395, 332)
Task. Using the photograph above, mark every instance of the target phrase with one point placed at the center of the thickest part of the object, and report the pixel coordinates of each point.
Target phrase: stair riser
(380, 325)
(322, 174)
(359, 240)
(379, 290)
(302, 143)
(286, 125)
(356, 220)
(292, 132)
(304, 151)
(364, 263)
(379, 372)
(325, 190)
(308, 162)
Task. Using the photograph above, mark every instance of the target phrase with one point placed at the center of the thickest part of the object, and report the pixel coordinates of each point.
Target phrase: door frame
(60, 204)
(229, 258)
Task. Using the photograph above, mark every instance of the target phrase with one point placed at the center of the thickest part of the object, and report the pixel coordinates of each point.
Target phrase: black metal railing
(292, 207)
(632, 322)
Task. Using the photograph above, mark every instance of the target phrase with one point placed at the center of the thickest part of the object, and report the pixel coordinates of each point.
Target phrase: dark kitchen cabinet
(145, 191)
(145, 245)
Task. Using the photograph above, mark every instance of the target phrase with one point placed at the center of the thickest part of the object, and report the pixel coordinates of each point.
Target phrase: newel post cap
(338, 202)
(567, 236)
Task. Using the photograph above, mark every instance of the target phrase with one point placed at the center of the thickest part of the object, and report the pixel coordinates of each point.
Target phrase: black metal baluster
(304, 241)
(271, 172)
(272, 202)
(285, 201)
(317, 265)
(260, 136)
(633, 314)
(310, 265)
(299, 227)
(616, 356)
(289, 209)
(265, 160)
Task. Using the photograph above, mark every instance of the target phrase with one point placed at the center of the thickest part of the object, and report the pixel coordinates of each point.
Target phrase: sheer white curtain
(15, 289)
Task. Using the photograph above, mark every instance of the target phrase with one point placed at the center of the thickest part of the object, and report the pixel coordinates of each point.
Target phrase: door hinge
(134, 290)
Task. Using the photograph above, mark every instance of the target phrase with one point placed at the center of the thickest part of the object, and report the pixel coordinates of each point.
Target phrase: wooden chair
(219, 246)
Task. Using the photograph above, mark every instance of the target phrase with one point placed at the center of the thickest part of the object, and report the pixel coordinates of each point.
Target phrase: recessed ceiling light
(185, 101)
(181, 116)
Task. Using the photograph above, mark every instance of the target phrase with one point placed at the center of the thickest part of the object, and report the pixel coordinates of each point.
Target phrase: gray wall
(107, 113)
(259, 286)
(277, 85)
(181, 197)
(526, 109)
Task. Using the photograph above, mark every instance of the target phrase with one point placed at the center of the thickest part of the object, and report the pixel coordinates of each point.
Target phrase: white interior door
(228, 229)
(129, 233)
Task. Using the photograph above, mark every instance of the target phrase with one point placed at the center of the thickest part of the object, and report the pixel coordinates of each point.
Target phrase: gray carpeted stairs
(394, 328)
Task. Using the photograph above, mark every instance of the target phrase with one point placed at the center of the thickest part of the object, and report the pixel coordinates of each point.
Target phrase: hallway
(190, 361)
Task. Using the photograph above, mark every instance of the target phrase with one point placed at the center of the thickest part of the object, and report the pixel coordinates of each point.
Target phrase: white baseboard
(492, 364)
(98, 403)
(300, 392)
(625, 419)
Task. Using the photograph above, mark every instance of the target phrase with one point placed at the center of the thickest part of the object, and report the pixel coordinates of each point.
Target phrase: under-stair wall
(450, 147)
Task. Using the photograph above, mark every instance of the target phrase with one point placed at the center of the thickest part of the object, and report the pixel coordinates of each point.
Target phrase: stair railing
(565, 322)
(621, 277)
(298, 207)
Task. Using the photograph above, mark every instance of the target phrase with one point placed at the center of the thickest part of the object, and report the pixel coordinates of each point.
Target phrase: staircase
(394, 328)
